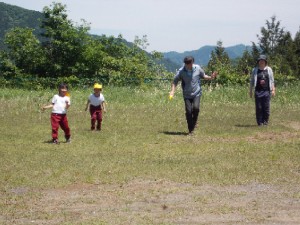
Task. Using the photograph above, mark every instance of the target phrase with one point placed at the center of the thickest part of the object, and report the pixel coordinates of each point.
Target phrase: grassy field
(143, 154)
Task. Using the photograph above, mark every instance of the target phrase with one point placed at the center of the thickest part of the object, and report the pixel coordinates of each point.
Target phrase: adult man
(190, 75)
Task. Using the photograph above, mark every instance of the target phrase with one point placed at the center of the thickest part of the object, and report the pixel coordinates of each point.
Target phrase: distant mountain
(13, 16)
(202, 55)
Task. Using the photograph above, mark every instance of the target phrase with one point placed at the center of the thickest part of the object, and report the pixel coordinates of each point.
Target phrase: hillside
(14, 16)
(202, 55)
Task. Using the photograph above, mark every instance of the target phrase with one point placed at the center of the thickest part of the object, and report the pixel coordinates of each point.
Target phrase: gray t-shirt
(190, 81)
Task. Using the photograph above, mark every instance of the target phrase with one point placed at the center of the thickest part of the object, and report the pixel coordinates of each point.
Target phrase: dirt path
(161, 202)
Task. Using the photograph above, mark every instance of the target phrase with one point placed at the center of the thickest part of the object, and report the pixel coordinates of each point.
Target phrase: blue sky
(177, 25)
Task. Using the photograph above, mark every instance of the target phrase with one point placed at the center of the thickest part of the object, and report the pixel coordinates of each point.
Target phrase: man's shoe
(191, 133)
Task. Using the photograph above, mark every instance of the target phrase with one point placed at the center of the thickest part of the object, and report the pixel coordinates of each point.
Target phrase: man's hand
(171, 95)
(214, 75)
(273, 92)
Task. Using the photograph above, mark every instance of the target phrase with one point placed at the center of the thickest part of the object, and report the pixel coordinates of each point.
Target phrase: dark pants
(192, 109)
(262, 107)
(96, 115)
(60, 120)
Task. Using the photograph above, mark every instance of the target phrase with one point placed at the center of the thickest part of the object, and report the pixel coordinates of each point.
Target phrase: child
(96, 103)
(60, 103)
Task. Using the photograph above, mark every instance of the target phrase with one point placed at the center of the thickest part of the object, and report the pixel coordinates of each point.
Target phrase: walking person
(60, 104)
(190, 76)
(262, 81)
(96, 104)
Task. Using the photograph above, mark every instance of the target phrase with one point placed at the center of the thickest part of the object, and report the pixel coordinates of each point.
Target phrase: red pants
(62, 121)
(96, 115)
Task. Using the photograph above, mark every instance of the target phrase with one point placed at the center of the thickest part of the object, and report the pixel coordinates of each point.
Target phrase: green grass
(144, 137)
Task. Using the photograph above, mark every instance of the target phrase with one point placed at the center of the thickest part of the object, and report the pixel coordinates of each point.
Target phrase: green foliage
(68, 49)
(271, 36)
(64, 43)
(14, 16)
(220, 63)
(280, 48)
(24, 50)
(219, 60)
(67, 52)
(244, 64)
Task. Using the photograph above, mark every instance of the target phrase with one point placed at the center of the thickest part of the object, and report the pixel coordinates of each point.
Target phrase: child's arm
(87, 105)
(47, 107)
(67, 104)
(103, 106)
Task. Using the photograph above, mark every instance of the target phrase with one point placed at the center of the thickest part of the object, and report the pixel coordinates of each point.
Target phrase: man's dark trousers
(192, 109)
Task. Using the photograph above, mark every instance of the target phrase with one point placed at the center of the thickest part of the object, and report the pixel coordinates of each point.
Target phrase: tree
(297, 54)
(93, 56)
(219, 58)
(245, 63)
(64, 42)
(279, 46)
(270, 36)
(69, 51)
(24, 50)
(220, 62)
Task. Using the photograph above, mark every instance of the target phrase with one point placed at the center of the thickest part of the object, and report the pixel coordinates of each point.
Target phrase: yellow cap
(97, 86)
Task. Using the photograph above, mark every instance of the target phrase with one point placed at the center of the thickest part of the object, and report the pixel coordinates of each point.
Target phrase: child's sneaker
(55, 141)
(68, 140)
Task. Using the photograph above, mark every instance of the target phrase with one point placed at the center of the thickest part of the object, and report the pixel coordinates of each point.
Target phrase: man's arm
(211, 77)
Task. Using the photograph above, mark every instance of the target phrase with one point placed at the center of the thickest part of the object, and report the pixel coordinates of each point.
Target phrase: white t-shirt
(59, 104)
(96, 101)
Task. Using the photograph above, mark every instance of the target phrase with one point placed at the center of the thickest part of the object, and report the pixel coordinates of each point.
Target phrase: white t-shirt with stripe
(96, 101)
(60, 103)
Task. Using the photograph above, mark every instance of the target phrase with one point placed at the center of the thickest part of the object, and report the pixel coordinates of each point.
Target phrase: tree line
(66, 52)
(282, 50)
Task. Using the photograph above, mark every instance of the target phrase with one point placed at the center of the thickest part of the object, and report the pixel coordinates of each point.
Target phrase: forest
(66, 52)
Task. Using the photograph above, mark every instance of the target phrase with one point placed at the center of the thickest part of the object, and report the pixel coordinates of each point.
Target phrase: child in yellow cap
(96, 104)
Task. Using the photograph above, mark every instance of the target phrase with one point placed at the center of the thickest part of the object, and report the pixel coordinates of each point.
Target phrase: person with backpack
(263, 85)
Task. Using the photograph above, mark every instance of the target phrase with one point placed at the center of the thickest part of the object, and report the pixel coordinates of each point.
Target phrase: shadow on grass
(246, 125)
(50, 142)
(174, 133)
